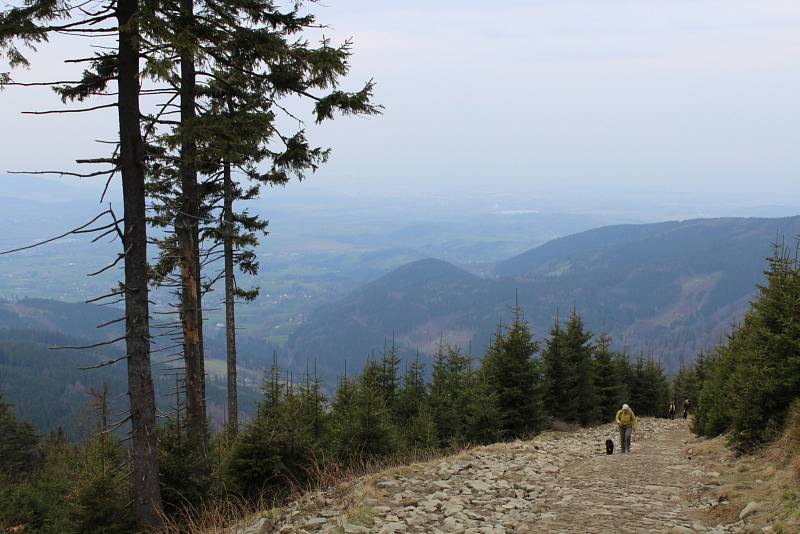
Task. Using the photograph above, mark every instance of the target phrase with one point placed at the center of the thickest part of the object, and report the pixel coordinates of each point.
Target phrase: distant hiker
(626, 421)
(671, 410)
(686, 405)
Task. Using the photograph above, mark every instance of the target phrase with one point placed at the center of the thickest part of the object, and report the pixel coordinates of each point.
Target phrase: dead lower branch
(91, 345)
(65, 234)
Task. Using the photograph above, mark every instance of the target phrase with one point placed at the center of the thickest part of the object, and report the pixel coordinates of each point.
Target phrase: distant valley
(663, 289)
(666, 290)
(52, 387)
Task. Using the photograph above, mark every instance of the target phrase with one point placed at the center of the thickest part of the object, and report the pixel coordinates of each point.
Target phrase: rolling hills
(667, 289)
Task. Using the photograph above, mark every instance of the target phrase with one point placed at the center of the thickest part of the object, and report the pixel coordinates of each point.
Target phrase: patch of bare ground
(759, 492)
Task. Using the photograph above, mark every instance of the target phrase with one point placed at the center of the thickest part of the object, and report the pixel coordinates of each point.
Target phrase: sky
(529, 99)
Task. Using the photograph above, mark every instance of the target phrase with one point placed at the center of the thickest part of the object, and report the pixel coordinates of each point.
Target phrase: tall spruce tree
(441, 397)
(414, 392)
(389, 377)
(513, 376)
(638, 387)
(413, 413)
(713, 414)
(449, 394)
(649, 387)
(556, 371)
(684, 386)
(484, 418)
(688, 382)
(750, 382)
(607, 380)
(118, 64)
(252, 56)
(659, 388)
(624, 370)
(581, 400)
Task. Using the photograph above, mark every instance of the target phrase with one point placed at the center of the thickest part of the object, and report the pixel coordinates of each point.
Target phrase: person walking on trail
(671, 410)
(626, 421)
(686, 404)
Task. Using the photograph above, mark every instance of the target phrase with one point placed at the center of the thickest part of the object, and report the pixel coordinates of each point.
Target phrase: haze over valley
(342, 274)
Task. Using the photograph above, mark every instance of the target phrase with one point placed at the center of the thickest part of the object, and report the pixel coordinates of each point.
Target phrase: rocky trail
(561, 482)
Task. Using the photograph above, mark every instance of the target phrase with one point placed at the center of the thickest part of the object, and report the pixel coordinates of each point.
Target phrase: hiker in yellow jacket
(626, 420)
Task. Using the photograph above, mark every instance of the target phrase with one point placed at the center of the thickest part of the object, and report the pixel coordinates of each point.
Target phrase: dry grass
(331, 475)
(357, 498)
(768, 477)
(221, 516)
(788, 447)
(349, 483)
(561, 426)
(787, 518)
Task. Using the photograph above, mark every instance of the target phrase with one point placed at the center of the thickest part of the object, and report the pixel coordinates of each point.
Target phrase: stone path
(565, 485)
(645, 491)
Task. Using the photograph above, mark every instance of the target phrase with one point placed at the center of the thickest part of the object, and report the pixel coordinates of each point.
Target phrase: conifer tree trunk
(230, 310)
(186, 229)
(198, 281)
(146, 489)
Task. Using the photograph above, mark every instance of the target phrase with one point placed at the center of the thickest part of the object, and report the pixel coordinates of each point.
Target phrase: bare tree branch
(73, 231)
(103, 364)
(90, 346)
(81, 110)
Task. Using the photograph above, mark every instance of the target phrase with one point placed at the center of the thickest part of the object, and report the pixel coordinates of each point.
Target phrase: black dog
(609, 446)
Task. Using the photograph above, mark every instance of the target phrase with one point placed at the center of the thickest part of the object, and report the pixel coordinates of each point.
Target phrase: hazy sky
(550, 95)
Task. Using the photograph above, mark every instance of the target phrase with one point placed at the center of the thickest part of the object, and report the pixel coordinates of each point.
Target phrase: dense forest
(392, 409)
(748, 383)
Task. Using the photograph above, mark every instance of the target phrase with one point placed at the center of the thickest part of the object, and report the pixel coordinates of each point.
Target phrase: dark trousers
(625, 438)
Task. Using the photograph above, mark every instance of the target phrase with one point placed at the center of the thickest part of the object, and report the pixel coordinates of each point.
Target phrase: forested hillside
(52, 389)
(667, 289)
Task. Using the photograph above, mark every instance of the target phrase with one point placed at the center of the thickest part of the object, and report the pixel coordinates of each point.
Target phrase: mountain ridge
(511, 266)
(668, 289)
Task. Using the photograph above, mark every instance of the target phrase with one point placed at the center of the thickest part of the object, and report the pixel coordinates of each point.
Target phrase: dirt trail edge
(556, 483)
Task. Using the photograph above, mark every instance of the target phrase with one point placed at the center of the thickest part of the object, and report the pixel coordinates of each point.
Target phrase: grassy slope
(769, 477)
